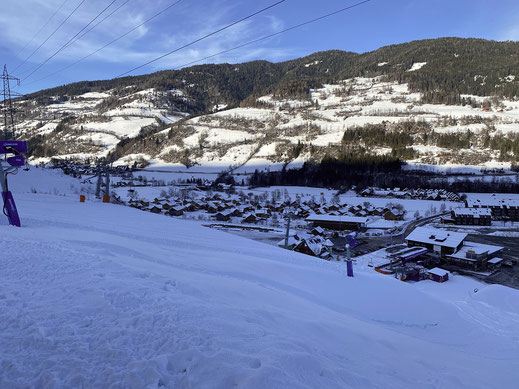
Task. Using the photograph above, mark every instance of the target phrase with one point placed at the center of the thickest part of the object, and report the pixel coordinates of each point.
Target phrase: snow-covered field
(98, 295)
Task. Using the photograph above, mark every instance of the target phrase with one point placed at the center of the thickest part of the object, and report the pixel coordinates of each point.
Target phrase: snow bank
(100, 295)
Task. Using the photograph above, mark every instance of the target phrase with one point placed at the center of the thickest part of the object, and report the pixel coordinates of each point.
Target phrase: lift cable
(52, 34)
(70, 40)
(202, 38)
(108, 44)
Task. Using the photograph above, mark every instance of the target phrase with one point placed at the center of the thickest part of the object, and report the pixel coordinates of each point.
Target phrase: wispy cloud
(180, 25)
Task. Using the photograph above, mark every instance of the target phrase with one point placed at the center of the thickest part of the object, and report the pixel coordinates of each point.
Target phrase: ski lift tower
(11, 149)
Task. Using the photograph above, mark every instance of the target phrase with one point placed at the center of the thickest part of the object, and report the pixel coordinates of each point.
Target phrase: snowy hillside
(100, 295)
(278, 131)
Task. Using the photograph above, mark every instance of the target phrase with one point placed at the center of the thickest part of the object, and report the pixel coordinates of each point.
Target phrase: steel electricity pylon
(7, 107)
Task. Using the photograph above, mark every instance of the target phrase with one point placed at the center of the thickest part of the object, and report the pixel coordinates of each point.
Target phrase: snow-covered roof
(476, 248)
(436, 237)
(328, 243)
(319, 230)
(385, 224)
(338, 219)
(495, 260)
(292, 240)
(438, 272)
(492, 202)
(476, 212)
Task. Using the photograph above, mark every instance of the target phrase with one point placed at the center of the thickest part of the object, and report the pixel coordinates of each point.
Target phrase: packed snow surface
(104, 296)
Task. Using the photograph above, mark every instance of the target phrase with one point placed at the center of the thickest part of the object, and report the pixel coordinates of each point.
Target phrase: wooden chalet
(223, 216)
(175, 211)
(155, 209)
(249, 218)
(166, 206)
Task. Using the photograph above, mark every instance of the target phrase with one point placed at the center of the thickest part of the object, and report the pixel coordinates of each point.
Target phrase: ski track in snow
(98, 295)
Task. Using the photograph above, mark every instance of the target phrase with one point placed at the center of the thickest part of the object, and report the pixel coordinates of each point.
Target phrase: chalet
(438, 275)
(378, 211)
(263, 212)
(339, 223)
(320, 211)
(440, 242)
(317, 231)
(166, 206)
(235, 212)
(156, 209)
(199, 204)
(175, 211)
(223, 216)
(249, 218)
(212, 207)
(314, 246)
(393, 214)
(472, 216)
(292, 242)
(190, 207)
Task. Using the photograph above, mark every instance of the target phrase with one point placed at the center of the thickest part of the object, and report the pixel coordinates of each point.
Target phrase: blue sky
(365, 28)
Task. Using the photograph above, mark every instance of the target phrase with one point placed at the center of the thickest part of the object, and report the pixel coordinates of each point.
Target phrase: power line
(204, 37)
(224, 51)
(42, 27)
(98, 23)
(69, 41)
(276, 33)
(108, 44)
(52, 34)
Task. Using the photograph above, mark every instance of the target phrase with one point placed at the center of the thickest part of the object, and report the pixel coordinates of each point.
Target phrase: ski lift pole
(98, 185)
(106, 197)
(107, 183)
(288, 231)
(349, 262)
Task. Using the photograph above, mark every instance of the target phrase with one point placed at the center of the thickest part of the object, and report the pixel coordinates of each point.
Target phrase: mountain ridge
(296, 109)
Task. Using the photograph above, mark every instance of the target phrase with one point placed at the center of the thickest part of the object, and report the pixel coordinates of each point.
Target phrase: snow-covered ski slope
(103, 296)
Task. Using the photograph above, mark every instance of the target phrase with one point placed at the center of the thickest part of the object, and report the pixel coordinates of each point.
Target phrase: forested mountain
(293, 107)
(453, 65)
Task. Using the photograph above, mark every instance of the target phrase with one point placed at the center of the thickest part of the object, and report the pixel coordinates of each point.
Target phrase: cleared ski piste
(99, 295)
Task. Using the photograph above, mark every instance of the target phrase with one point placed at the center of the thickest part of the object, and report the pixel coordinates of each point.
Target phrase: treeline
(377, 135)
(344, 171)
(360, 172)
